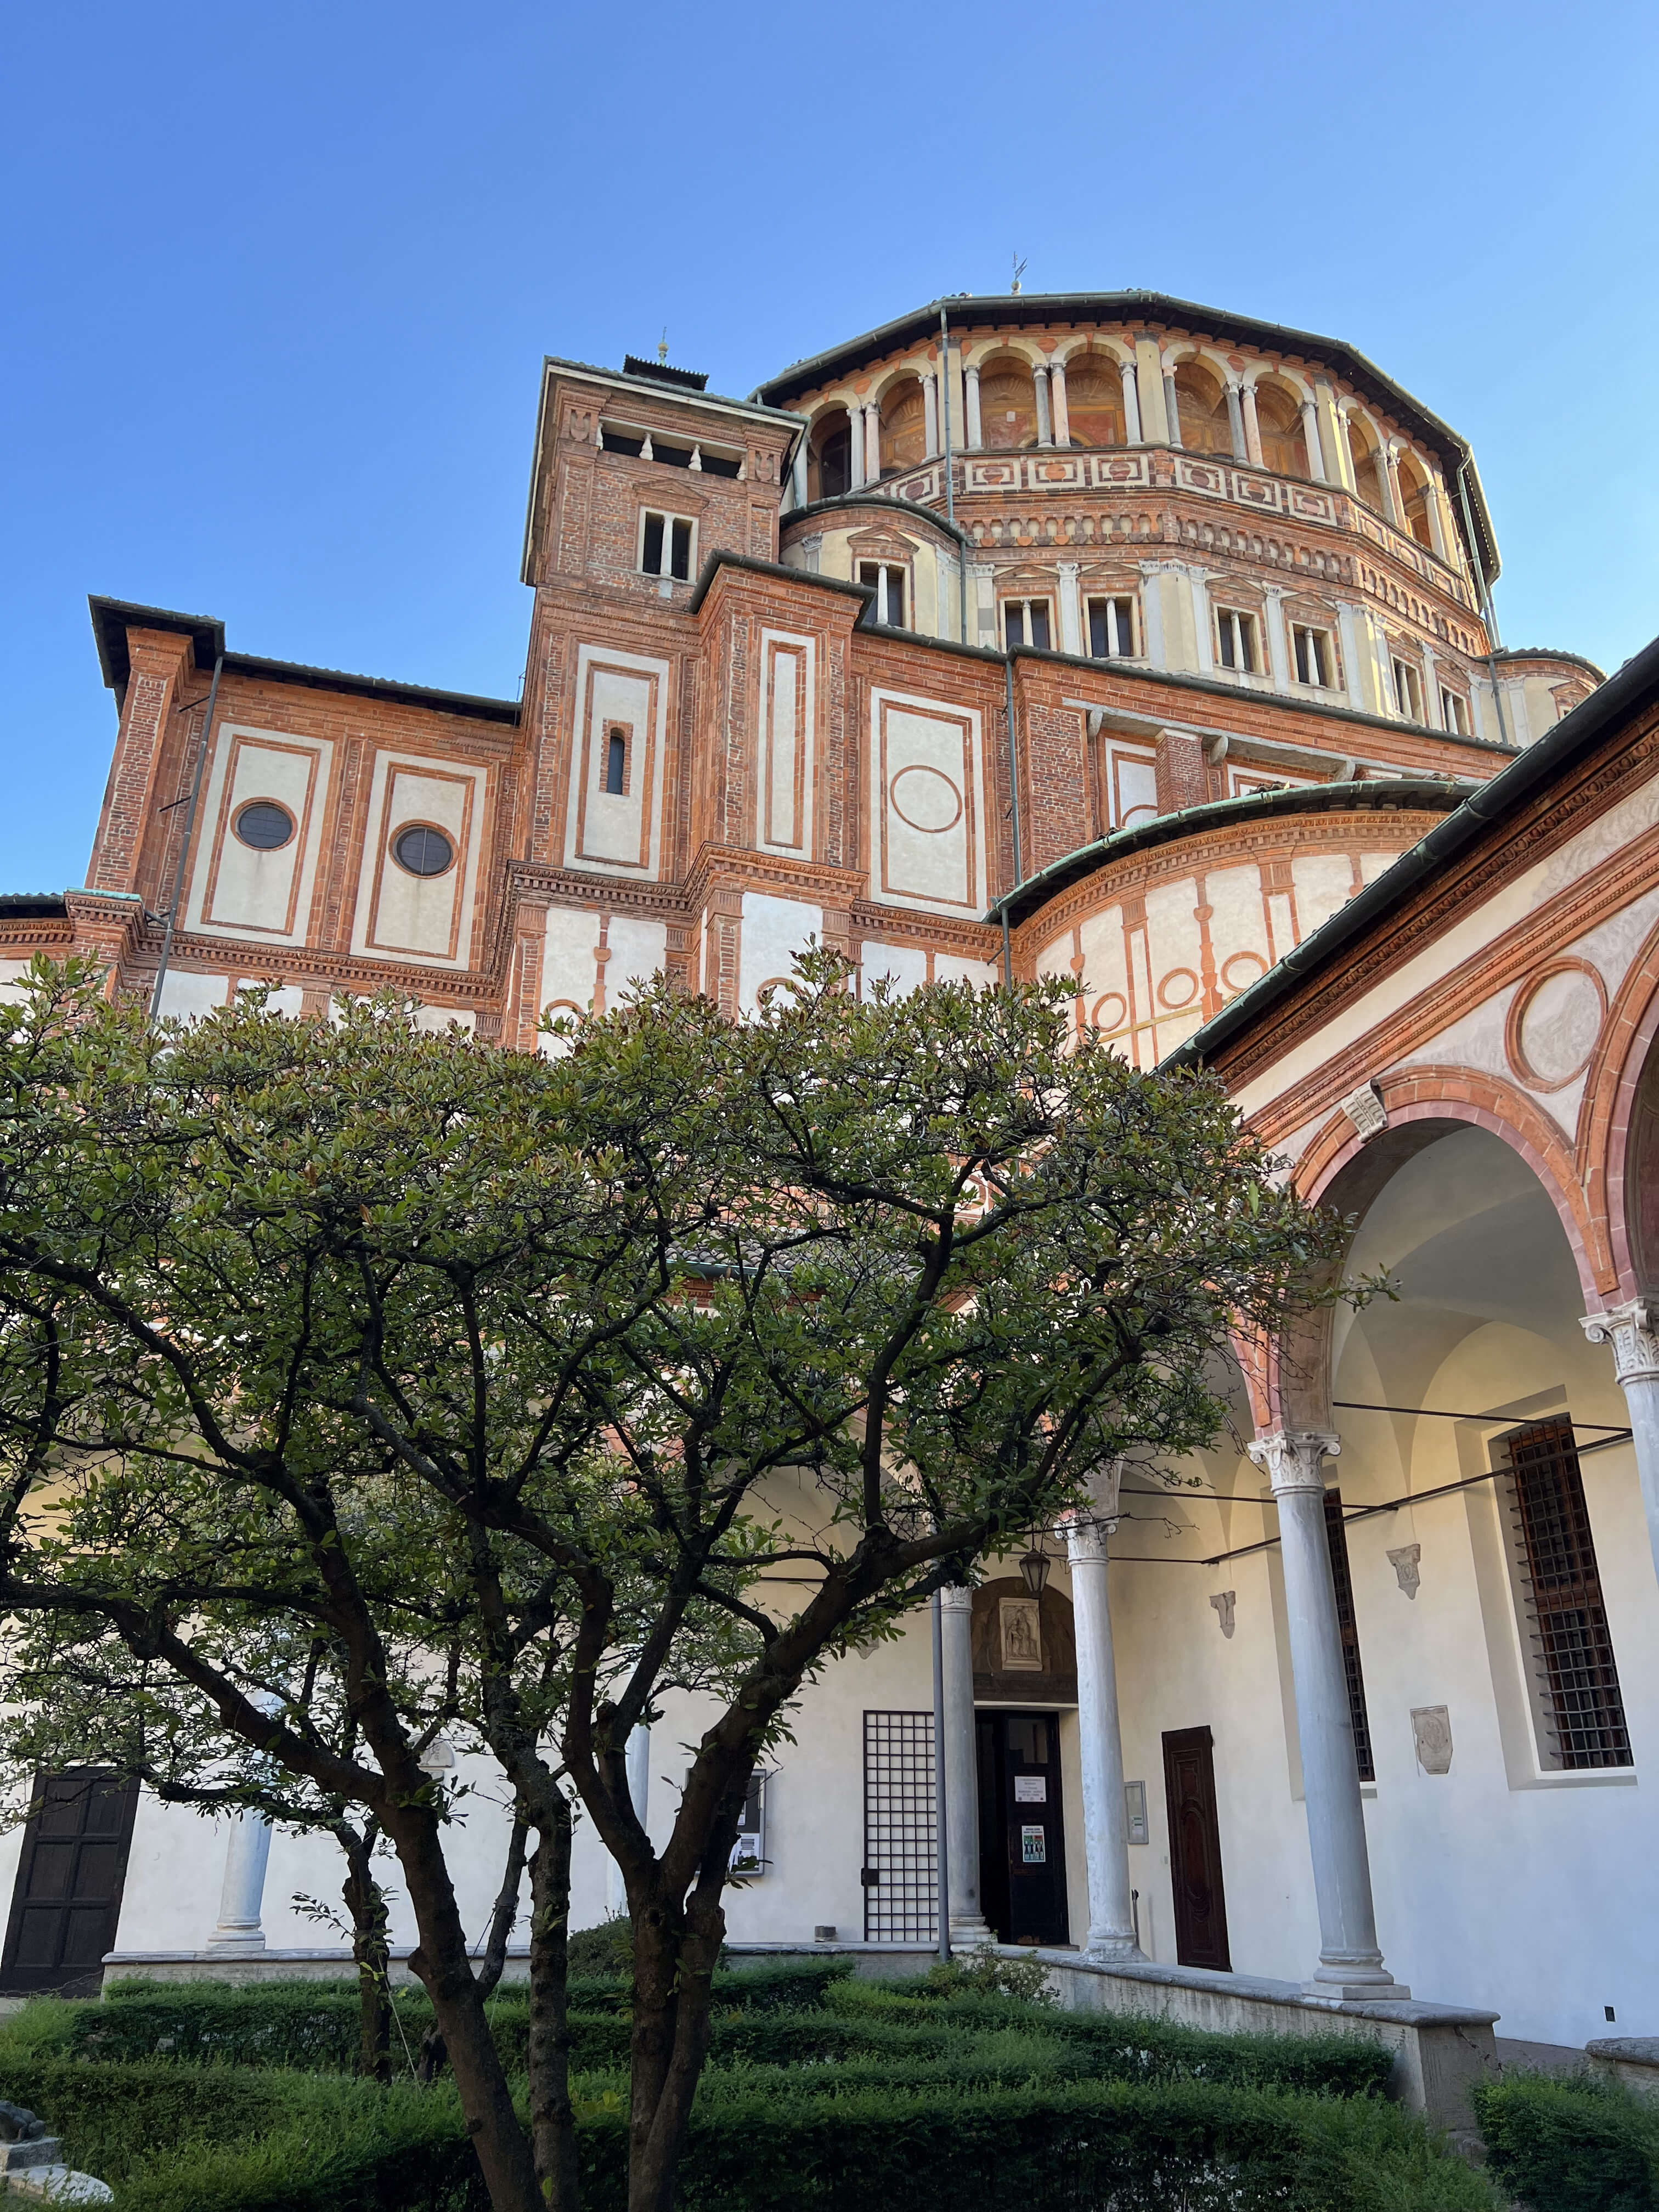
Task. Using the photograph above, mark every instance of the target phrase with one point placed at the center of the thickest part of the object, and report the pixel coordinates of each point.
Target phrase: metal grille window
(1336, 1536)
(900, 1873)
(1579, 1704)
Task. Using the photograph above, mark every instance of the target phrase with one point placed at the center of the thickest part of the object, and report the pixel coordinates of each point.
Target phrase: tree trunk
(552, 2123)
(365, 1900)
(501, 1920)
(674, 1951)
(500, 2143)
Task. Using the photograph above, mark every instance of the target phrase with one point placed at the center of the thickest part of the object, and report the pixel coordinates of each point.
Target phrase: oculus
(422, 850)
(263, 824)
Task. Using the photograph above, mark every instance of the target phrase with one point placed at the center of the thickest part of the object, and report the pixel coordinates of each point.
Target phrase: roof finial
(662, 344)
(1019, 270)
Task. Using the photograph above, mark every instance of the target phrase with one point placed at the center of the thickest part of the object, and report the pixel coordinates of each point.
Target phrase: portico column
(1236, 424)
(1388, 452)
(1126, 369)
(1045, 424)
(930, 412)
(1350, 1962)
(1252, 427)
(976, 439)
(855, 452)
(1632, 1330)
(968, 1923)
(1172, 406)
(1100, 1742)
(241, 1897)
(1062, 421)
(871, 442)
(1311, 433)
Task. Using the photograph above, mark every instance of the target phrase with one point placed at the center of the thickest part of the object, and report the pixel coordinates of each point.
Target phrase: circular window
(264, 825)
(422, 850)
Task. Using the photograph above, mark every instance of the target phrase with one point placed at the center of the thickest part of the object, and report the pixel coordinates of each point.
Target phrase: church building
(1110, 637)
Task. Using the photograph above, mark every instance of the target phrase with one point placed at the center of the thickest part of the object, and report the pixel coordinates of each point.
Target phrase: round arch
(903, 422)
(1007, 402)
(1278, 419)
(1618, 1146)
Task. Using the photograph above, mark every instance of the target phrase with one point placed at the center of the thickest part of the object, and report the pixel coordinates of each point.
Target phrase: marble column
(1062, 421)
(1045, 423)
(968, 1923)
(871, 442)
(855, 452)
(1310, 434)
(976, 436)
(1172, 406)
(1100, 1744)
(1632, 1330)
(1350, 1962)
(1252, 427)
(1236, 424)
(930, 414)
(241, 1897)
(1126, 369)
(1389, 457)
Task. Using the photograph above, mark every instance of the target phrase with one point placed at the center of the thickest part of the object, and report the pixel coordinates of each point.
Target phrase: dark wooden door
(1022, 1836)
(68, 1896)
(1201, 1903)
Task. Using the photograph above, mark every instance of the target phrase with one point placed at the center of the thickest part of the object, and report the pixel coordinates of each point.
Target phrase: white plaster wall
(774, 931)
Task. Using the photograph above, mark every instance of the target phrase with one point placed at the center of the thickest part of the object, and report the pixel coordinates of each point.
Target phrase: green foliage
(1577, 2145)
(607, 1949)
(986, 1972)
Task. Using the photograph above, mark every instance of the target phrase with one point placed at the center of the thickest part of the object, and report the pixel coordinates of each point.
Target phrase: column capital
(1632, 1330)
(956, 1597)
(1067, 568)
(1086, 1540)
(1295, 1458)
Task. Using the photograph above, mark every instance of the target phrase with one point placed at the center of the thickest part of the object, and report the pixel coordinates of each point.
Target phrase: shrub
(1579, 2145)
(984, 1972)
(606, 1950)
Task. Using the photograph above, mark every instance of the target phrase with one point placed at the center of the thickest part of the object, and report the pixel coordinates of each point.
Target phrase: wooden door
(1201, 1905)
(67, 1900)
(1022, 1834)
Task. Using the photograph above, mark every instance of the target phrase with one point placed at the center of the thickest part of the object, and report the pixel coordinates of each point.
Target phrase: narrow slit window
(1577, 1701)
(616, 763)
(1336, 1537)
(682, 568)
(1112, 629)
(1314, 659)
(1236, 640)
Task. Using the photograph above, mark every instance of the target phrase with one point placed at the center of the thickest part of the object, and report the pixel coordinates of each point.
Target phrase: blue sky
(275, 283)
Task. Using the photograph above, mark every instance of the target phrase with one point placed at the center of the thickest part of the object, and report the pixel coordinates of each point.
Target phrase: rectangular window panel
(1581, 1707)
(651, 555)
(682, 551)
(1313, 655)
(1100, 643)
(1039, 614)
(1336, 1536)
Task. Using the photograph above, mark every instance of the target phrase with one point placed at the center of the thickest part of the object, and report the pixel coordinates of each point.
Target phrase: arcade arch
(1279, 416)
(1007, 404)
(1201, 397)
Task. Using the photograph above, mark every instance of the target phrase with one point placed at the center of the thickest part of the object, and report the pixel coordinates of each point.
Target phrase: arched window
(616, 763)
(1094, 402)
(1284, 450)
(1204, 428)
(1367, 463)
(830, 458)
(903, 428)
(1414, 498)
(1007, 405)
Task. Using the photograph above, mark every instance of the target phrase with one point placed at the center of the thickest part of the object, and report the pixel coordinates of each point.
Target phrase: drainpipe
(1487, 614)
(1013, 793)
(950, 488)
(942, 1834)
(184, 846)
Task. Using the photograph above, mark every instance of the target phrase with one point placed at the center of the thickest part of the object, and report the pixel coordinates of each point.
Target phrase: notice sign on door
(1034, 1846)
(1030, 1789)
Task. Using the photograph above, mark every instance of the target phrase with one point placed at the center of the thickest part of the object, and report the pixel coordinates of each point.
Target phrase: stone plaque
(996, 1682)
(1432, 1727)
(1020, 1622)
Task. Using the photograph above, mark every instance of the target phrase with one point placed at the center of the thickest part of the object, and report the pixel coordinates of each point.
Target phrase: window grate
(900, 1870)
(1336, 1536)
(1584, 1709)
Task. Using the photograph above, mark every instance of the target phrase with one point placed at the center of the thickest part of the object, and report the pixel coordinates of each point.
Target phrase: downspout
(950, 485)
(941, 1825)
(1488, 615)
(184, 846)
(1013, 793)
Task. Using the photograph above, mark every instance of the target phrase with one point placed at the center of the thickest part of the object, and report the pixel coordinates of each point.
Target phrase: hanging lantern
(1035, 1569)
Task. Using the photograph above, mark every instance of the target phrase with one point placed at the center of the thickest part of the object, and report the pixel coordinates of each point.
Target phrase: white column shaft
(1071, 609)
(637, 1754)
(975, 438)
(799, 473)
(1236, 424)
(241, 1898)
(1172, 406)
(871, 442)
(1100, 1741)
(1252, 427)
(1311, 433)
(930, 413)
(855, 425)
(1062, 421)
(1045, 426)
(1126, 369)
(1350, 1959)
(967, 1924)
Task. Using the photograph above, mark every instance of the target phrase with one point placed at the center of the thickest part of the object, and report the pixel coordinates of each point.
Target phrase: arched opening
(1367, 463)
(1202, 401)
(1641, 1178)
(1414, 499)
(829, 457)
(903, 427)
(1278, 416)
(1094, 402)
(1007, 405)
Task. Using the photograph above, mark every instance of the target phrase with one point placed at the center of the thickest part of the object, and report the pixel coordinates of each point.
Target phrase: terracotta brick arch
(1617, 1124)
(1342, 1168)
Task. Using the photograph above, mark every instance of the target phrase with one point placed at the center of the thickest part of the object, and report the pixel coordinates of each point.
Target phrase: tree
(557, 1377)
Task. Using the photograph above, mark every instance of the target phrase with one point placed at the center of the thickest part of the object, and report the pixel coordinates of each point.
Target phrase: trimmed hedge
(1100, 2147)
(1578, 2145)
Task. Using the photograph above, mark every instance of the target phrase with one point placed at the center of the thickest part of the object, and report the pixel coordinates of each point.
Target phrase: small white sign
(1034, 1846)
(1030, 1789)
